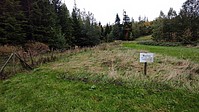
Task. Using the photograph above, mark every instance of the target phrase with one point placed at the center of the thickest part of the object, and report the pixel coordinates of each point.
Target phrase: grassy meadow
(185, 53)
(107, 78)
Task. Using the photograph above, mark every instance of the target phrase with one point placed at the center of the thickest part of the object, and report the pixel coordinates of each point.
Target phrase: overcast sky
(105, 10)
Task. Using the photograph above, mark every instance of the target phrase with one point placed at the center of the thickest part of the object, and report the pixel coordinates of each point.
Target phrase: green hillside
(106, 78)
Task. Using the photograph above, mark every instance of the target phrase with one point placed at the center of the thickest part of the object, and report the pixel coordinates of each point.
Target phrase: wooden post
(52, 52)
(30, 54)
(2, 68)
(23, 63)
(145, 68)
(14, 63)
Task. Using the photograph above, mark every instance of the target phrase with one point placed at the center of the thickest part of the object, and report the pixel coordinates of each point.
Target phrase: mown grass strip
(43, 91)
(179, 52)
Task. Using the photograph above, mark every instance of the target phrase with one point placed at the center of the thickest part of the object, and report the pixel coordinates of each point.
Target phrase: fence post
(23, 63)
(2, 68)
(30, 54)
(145, 68)
(13, 62)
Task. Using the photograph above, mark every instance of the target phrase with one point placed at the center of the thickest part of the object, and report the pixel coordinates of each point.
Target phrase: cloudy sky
(106, 10)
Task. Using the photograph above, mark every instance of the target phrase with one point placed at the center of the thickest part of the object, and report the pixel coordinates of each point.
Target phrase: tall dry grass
(117, 62)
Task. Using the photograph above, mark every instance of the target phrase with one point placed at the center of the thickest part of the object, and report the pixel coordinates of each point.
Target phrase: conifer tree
(11, 23)
(117, 19)
(158, 27)
(189, 16)
(116, 32)
(66, 23)
(44, 21)
(90, 31)
(76, 26)
(27, 7)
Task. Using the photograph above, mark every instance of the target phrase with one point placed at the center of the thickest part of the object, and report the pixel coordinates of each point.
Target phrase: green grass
(100, 79)
(42, 91)
(179, 52)
(144, 38)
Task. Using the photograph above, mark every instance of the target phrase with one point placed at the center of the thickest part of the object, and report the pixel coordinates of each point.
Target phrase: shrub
(8, 49)
(37, 48)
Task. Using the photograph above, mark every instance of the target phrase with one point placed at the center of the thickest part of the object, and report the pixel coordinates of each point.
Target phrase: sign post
(144, 58)
(145, 68)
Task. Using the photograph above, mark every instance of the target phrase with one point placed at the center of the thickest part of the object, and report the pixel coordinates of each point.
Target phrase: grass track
(179, 52)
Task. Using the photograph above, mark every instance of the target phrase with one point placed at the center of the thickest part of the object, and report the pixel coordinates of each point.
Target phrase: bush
(8, 49)
(36, 48)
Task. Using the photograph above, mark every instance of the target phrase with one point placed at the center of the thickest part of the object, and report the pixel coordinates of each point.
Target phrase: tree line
(130, 29)
(49, 22)
(173, 27)
(182, 27)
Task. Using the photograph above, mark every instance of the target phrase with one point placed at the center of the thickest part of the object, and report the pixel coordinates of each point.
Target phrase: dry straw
(123, 63)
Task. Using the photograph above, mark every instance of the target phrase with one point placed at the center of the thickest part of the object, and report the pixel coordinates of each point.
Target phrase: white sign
(146, 57)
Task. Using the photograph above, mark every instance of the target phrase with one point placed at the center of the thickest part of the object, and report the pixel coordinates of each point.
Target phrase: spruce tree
(102, 37)
(158, 27)
(76, 28)
(117, 19)
(90, 31)
(190, 19)
(66, 23)
(27, 7)
(116, 32)
(11, 23)
(107, 31)
(44, 21)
